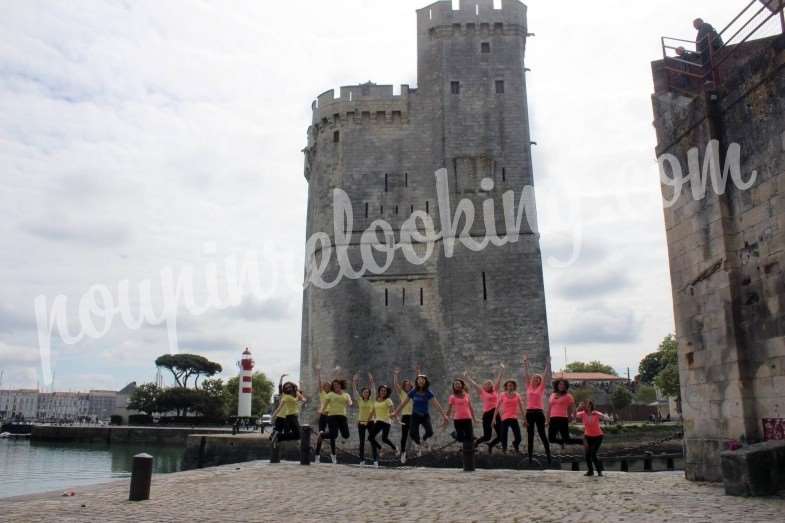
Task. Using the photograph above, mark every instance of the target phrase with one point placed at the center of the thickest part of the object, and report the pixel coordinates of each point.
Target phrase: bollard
(576, 466)
(647, 464)
(305, 445)
(625, 467)
(141, 476)
(275, 451)
(669, 464)
(468, 455)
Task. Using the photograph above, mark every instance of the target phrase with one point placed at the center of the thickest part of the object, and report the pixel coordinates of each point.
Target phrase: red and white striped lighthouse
(245, 390)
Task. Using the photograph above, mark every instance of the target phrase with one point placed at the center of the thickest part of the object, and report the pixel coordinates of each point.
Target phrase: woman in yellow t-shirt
(336, 404)
(286, 416)
(365, 411)
(382, 416)
(403, 390)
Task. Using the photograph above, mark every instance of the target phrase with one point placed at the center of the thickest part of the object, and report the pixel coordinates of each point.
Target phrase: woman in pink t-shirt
(535, 415)
(560, 406)
(592, 435)
(461, 411)
(489, 394)
(509, 409)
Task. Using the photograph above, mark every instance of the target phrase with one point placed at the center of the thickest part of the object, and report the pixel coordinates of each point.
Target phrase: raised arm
(526, 377)
(472, 382)
(372, 383)
(396, 385)
(355, 379)
(499, 378)
(319, 377)
(280, 383)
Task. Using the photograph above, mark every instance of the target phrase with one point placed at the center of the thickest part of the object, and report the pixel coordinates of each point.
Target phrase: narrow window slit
(484, 288)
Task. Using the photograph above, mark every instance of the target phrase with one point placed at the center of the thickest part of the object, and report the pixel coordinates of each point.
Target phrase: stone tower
(468, 310)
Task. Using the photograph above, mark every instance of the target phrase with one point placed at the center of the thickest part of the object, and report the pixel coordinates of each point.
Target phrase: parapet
(361, 101)
(439, 14)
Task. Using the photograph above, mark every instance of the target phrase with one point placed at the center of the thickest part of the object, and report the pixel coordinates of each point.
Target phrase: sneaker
(334, 458)
(589, 473)
(403, 458)
(363, 463)
(599, 473)
(419, 451)
(376, 464)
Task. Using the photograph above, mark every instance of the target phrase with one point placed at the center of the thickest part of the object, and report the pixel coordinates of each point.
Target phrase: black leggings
(507, 424)
(592, 448)
(535, 418)
(336, 425)
(288, 428)
(384, 429)
(561, 426)
(322, 422)
(414, 430)
(489, 423)
(406, 421)
(362, 428)
(464, 430)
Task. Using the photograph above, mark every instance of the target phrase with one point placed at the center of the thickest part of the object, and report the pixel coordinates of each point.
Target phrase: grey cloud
(598, 324)
(252, 310)
(592, 285)
(13, 320)
(100, 234)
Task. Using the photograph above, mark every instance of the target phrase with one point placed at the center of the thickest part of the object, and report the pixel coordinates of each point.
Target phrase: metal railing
(696, 65)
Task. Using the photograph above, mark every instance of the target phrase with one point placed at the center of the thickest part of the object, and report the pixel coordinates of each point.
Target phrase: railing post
(576, 466)
(625, 467)
(669, 464)
(468, 455)
(305, 445)
(141, 477)
(647, 463)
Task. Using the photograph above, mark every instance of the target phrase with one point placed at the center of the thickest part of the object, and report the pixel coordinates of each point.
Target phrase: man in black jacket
(707, 40)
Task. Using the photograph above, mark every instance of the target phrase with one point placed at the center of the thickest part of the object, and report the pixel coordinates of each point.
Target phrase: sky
(145, 139)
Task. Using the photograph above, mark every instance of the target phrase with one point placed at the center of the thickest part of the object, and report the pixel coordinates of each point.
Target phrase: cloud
(12, 321)
(598, 323)
(592, 284)
(100, 234)
(252, 309)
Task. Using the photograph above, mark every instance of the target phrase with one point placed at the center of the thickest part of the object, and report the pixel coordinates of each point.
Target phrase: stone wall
(727, 253)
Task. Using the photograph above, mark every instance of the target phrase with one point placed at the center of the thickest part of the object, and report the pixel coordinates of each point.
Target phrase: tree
(592, 366)
(653, 363)
(260, 400)
(621, 398)
(183, 366)
(145, 398)
(180, 400)
(582, 394)
(214, 402)
(646, 394)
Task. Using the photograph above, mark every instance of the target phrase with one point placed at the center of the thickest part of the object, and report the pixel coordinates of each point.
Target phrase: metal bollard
(625, 467)
(468, 455)
(576, 466)
(647, 464)
(275, 452)
(305, 445)
(670, 464)
(141, 477)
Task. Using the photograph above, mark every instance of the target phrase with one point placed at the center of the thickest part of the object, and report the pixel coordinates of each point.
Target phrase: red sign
(773, 429)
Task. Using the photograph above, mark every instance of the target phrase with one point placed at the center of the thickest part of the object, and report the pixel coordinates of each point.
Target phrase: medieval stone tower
(468, 115)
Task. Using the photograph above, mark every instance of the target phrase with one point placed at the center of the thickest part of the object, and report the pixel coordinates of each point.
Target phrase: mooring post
(625, 467)
(468, 455)
(647, 463)
(141, 477)
(576, 466)
(305, 445)
(669, 463)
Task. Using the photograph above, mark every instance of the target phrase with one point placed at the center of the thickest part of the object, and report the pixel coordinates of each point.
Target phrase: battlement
(361, 101)
(477, 12)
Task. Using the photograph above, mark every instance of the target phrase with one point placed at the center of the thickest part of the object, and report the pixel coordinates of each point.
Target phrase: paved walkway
(259, 491)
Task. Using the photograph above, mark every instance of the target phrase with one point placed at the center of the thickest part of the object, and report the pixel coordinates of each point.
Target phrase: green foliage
(262, 394)
(650, 366)
(646, 394)
(215, 400)
(667, 380)
(620, 398)
(183, 366)
(145, 398)
(592, 366)
(180, 400)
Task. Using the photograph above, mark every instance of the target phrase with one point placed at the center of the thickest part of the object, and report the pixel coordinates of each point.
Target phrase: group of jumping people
(502, 408)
